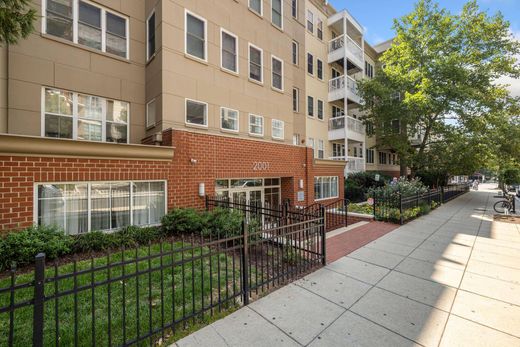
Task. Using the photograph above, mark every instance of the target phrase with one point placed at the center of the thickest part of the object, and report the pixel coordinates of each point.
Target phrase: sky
(377, 17)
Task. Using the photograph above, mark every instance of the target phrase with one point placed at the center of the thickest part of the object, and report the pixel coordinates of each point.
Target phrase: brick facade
(198, 158)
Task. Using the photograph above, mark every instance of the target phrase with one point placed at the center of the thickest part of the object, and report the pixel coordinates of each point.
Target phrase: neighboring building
(114, 112)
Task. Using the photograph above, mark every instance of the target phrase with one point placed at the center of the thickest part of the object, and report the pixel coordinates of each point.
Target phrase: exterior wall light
(300, 184)
(202, 189)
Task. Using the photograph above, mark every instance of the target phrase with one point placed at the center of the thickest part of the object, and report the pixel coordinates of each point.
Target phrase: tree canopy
(436, 100)
(16, 20)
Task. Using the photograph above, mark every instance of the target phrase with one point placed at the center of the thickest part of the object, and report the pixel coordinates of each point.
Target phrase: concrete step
(342, 230)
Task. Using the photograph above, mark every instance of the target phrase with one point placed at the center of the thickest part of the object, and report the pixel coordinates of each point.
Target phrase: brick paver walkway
(451, 278)
(346, 243)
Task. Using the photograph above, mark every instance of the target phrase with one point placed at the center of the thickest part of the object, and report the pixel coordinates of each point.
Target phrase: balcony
(353, 52)
(355, 129)
(344, 86)
(355, 164)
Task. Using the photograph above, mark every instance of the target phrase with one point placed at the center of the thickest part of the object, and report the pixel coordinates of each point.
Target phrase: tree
(16, 20)
(438, 85)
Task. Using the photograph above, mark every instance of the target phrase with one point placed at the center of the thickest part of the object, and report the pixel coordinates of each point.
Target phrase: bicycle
(504, 206)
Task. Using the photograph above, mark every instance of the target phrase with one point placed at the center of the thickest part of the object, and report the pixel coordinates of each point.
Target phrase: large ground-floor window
(85, 206)
(250, 190)
(325, 187)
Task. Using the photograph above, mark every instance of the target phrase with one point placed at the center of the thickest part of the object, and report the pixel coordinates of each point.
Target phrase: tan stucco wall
(43, 60)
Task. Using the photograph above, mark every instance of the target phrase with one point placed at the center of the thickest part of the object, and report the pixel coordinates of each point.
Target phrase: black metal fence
(398, 208)
(140, 296)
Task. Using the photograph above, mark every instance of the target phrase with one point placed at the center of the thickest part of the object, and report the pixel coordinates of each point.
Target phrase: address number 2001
(260, 166)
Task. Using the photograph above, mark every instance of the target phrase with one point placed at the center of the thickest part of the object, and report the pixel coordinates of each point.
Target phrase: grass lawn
(137, 304)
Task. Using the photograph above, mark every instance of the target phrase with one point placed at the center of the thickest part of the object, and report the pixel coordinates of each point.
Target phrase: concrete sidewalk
(451, 278)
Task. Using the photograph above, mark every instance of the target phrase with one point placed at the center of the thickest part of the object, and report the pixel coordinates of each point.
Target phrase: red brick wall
(215, 156)
(18, 174)
(228, 157)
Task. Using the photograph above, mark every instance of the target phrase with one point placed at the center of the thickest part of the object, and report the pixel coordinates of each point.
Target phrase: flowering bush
(402, 185)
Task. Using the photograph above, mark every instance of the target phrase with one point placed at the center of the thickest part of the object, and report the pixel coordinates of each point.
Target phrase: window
(382, 158)
(338, 150)
(396, 126)
(325, 187)
(319, 68)
(229, 51)
(369, 128)
(310, 106)
(256, 125)
(310, 21)
(321, 149)
(295, 52)
(77, 116)
(370, 156)
(320, 109)
(229, 119)
(255, 63)
(277, 13)
(310, 63)
(294, 8)
(277, 129)
(277, 73)
(296, 139)
(296, 99)
(256, 6)
(150, 36)
(150, 114)
(335, 73)
(91, 25)
(319, 29)
(195, 30)
(196, 113)
(369, 70)
(82, 207)
(337, 112)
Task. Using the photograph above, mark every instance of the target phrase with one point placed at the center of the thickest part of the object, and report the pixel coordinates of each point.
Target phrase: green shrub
(361, 208)
(134, 235)
(424, 208)
(21, 247)
(223, 222)
(94, 241)
(358, 184)
(184, 221)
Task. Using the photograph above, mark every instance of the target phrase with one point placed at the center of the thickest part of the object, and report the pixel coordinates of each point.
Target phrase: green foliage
(510, 176)
(224, 222)
(94, 241)
(184, 221)
(433, 177)
(403, 186)
(21, 247)
(358, 184)
(16, 20)
(361, 208)
(446, 66)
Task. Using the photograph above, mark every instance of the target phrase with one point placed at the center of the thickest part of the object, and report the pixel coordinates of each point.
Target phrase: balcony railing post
(39, 297)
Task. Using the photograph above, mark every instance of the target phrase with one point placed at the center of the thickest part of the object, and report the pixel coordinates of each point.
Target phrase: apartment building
(113, 112)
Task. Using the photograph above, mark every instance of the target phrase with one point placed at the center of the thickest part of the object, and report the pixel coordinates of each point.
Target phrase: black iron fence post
(323, 236)
(39, 296)
(245, 262)
(374, 205)
(401, 219)
(207, 202)
(346, 202)
(442, 195)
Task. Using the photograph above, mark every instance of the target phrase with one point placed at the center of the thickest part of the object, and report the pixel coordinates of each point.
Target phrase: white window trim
(186, 13)
(261, 14)
(148, 56)
(318, 21)
(307, 20)
(238, 120)
(297, 99)
(313, 108)
(222, 30)
(75, 19)
(281, 15)
(321, 147)
(89, 183)
(322, 69)
(249, 125)
(186, 114)
(75, 117)
(337, 188)
(297, 7)
(272, 73)
(149, 125)
(318, 110)
(249, 45)
(307, 64)
(295, 43)
(273, 121)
